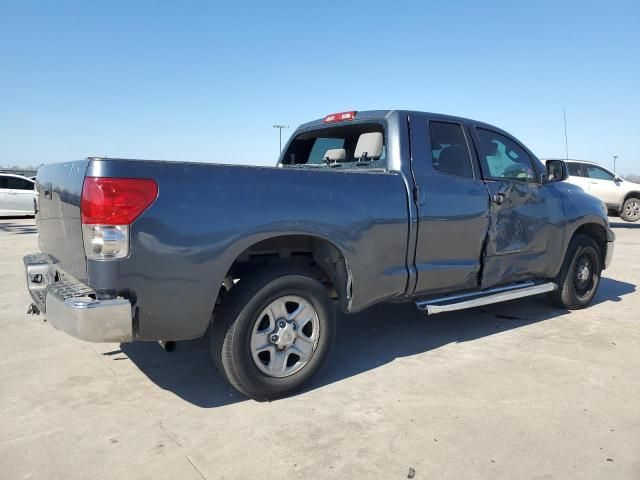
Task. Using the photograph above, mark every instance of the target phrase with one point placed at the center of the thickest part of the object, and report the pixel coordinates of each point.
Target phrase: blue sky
(205, 81)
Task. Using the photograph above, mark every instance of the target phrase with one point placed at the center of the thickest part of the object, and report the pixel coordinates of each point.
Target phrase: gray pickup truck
(361, 208)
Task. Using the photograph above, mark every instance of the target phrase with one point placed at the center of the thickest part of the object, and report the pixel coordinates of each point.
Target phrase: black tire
(237, 315)
(574, 290)
(631, 210)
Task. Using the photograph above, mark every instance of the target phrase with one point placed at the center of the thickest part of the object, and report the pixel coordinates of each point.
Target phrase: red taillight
(340, 117)
(115, 201)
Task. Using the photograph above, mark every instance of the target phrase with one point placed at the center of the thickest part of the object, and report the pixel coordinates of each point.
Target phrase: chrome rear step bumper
(485, 297)
(71, 306)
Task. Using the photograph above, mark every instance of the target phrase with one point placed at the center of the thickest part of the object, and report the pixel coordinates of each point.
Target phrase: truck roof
(384, 114)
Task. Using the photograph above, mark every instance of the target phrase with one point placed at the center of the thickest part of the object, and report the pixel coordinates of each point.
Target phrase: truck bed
(206, 215)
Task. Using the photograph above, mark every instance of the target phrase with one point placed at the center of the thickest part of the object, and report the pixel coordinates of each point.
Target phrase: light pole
(566, 142)
(615, 157)
(280, 127)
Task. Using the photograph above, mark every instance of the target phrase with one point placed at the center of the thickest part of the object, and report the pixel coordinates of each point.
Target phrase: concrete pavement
(519, 390)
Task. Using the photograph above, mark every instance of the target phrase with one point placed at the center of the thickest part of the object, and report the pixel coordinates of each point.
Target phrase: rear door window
(321, 146)
(574, 169)
(505, 159)
(449, 149)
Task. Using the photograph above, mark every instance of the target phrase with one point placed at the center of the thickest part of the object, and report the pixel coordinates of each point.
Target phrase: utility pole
(280, 127)
(566, 142)
(615, 157)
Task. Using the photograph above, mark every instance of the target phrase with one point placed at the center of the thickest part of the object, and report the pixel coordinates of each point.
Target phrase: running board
(485, 297)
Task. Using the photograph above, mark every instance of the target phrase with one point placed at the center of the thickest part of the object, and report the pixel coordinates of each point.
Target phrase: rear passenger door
(452, 203)
(525, 235)
(576, 175)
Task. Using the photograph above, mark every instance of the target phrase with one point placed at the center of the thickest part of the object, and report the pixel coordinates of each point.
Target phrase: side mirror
(556, 171)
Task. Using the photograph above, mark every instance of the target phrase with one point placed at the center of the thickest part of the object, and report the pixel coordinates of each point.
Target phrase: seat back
(335, 155)
(369, 146)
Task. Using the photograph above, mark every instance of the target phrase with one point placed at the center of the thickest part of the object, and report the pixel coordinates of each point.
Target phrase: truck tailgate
(59, 188)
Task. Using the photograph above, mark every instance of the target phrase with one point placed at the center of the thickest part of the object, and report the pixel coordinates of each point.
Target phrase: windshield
(343, 146)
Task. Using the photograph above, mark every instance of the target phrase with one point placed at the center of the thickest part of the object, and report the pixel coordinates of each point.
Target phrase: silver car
(17, 195)
(621, 197)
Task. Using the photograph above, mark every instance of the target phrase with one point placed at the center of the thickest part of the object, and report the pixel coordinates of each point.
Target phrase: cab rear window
(343, 146)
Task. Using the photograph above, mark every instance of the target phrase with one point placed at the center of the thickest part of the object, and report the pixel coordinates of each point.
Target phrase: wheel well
(631, 194)
(598, 233)
(321, 255)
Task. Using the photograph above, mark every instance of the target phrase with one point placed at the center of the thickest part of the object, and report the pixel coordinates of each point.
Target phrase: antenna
(566, 142)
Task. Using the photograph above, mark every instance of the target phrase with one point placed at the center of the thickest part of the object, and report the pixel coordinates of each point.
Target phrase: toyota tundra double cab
(361, 208)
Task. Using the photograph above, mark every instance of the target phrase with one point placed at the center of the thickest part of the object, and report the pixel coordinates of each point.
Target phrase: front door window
(505, 159)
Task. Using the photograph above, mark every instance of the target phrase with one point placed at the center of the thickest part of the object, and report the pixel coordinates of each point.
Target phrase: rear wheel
(631, 210)
(273, 331)
(579, 276)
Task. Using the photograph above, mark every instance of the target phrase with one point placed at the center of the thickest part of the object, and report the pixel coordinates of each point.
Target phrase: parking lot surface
(518, 390)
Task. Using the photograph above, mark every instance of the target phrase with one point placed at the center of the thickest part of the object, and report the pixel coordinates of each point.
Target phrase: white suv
(17, 195)
(621, 196)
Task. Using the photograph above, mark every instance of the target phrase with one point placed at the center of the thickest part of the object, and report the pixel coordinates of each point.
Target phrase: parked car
(362, 208)
(17, 195)
(622, 197)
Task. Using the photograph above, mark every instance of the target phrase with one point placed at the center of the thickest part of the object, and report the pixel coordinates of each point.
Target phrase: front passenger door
(20, 195)
(602, 184)
(526, 215)
(4, 209)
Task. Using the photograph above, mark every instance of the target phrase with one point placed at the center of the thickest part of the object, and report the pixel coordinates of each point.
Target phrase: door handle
(594, 183)
(419, 196)
(498, 198)
(12, 193)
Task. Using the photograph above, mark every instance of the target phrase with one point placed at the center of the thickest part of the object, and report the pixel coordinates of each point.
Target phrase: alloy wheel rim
(285, 336)
(632, 209)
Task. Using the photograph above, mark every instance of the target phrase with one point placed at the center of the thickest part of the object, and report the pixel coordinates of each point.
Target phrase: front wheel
(631, 210)
(579, 276)
(273, 331)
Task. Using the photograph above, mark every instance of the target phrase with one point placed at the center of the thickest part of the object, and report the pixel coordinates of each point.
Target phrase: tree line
(20, 167)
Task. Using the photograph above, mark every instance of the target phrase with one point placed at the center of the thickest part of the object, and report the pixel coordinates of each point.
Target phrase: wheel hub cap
(285, 336)
(583, 273)
(584, 279)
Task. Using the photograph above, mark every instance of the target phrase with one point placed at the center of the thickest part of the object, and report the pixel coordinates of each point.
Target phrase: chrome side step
(485, 297)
